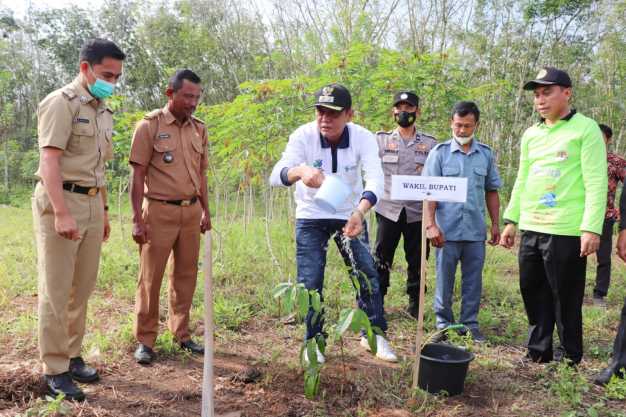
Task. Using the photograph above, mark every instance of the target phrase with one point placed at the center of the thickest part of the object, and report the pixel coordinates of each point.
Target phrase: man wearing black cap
(558, 201)
(333, 146)
(403, 152)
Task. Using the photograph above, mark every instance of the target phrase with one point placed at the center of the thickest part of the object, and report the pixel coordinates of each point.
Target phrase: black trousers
(619, 347)
(552, 283)
(387, 239)
(603, 272)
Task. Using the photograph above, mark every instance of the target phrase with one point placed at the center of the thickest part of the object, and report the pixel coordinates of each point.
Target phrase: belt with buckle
(71, 187)
(183, 203)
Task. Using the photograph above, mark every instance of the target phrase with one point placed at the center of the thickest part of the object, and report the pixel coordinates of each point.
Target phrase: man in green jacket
(558, 202)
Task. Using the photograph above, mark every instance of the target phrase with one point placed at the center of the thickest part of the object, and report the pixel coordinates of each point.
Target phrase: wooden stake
(207, 380)
(420, 314)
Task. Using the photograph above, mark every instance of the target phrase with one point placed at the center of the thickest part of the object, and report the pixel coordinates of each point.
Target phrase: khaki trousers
(67, 275)
(172, 230)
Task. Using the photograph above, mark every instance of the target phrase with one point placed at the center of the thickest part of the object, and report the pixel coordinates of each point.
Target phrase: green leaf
(345, 321)
(281, 289)
(371, 340)
(303, 302)
(360, 321)
(311, 351)
(311, 384)
(316, 300)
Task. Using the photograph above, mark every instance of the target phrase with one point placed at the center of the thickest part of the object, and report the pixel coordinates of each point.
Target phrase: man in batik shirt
(617, 172)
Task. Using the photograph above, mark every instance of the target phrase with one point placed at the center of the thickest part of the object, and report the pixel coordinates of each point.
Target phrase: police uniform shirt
(402, 157)
(175, 154)
(72, 120)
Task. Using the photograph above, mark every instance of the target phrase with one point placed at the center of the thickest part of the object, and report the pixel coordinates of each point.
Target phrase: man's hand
(107, 227)
(495, 235)
(311, 177)
(65, 226)
(354, 225)
(621, 245)
(205, 223)
(589, 243)
(507, 238)
(435, 235)
(140, 232)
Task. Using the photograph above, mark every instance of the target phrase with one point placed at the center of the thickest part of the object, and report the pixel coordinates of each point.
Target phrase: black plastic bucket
(443, 367)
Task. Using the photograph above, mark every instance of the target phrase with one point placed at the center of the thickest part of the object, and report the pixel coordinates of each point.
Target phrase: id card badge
(390, 158)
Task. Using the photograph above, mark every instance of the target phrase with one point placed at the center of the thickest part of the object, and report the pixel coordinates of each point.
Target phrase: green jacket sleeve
(593, 166)
(512, 211)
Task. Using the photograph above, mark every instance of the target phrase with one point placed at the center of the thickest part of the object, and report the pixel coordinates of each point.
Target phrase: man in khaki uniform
(403, 152)
(169, 161)
(69, 211)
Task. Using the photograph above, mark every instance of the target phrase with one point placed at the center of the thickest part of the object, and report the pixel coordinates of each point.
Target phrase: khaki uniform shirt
(175, 154)
(71, 119)
(401, 157)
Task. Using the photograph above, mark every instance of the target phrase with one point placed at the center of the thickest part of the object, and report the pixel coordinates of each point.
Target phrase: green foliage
(616, 388)
(567, 384)
(48, 407)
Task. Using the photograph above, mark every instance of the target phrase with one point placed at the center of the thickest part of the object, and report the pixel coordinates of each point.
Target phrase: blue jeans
(471, 254)
(312, 237)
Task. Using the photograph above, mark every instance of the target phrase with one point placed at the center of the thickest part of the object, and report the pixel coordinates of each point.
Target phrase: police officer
(403, 152)
(169, 157)
(70, 211)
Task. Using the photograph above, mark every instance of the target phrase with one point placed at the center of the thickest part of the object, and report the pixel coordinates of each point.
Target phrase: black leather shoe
(144, 355)
(604, 377)
(63, 384)
(81, 372)
(413, 307)
(193, 347)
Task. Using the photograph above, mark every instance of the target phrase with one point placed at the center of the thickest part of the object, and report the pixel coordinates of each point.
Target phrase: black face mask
(405, 119)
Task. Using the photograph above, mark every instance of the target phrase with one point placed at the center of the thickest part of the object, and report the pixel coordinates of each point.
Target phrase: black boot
(193, 347)
(144, 355)
(81, 372)
(63, 384)
(413, 307)
(604, 377)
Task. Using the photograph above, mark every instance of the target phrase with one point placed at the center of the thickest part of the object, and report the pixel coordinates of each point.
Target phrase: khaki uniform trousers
(67, 275)
(172, 230)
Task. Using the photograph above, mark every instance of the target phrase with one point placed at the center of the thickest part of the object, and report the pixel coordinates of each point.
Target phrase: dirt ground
(249, 381)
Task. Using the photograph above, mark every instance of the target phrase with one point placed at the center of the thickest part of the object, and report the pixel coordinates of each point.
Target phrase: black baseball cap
(334, 97)
(406, 96)
(549, 76)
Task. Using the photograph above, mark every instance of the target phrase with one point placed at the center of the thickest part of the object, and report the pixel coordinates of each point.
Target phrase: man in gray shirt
(403, 152)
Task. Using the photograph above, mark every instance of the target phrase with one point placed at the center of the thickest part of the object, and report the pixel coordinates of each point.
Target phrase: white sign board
(417, 188)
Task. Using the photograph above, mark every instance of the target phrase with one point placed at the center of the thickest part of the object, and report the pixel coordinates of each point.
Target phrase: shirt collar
(169, 118)
(344, 141)
(565, 118)
(454, 146)
(85, 96)
(410, 142)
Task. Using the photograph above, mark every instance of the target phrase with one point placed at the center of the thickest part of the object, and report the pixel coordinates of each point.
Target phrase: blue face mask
(101, 89)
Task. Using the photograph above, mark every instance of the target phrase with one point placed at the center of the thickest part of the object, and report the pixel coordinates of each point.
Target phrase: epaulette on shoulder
(383, 132)
(68, 93)
(153, 114)
(195, 119)
(441, 144)
(428, 135)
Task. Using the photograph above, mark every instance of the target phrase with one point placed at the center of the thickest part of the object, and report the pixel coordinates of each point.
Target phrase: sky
(21, 6)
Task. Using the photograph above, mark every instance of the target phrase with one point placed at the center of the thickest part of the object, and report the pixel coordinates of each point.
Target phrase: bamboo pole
(420, 315)
(207, 380)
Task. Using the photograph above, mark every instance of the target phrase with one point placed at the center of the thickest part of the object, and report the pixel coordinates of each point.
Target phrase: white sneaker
(383, 349)
(320, 356)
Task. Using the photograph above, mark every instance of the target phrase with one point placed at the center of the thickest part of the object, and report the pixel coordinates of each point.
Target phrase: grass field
(257, 367)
